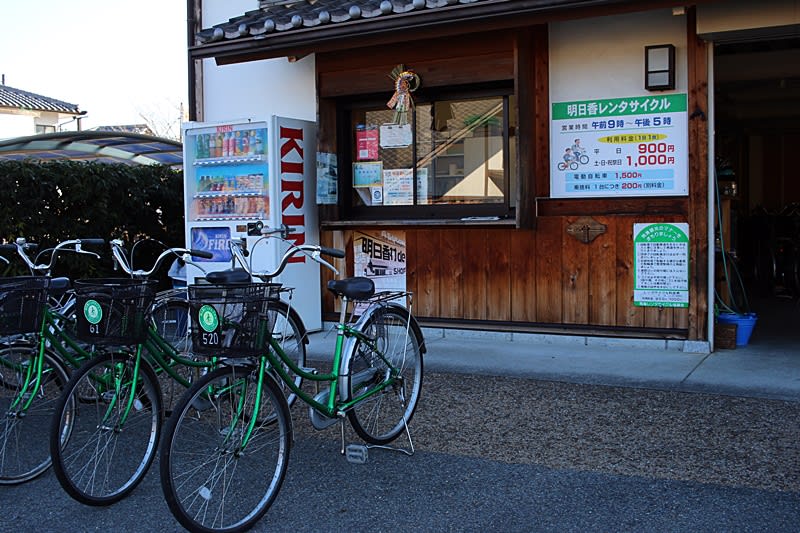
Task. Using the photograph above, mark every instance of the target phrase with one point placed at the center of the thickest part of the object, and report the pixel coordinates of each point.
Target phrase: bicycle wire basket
(22, 303)
(232, 320)
(113, 310)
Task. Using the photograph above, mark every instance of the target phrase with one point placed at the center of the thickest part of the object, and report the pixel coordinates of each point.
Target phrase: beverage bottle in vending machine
(229, 144)
(259, 143)
(251, 143)
(200, 153)
(245, 143)
(237, 143)
(212, 145)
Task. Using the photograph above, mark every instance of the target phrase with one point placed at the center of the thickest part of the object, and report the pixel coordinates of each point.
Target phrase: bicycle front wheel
(26, 407)
(290, 333)
(394, 354)
(225, 450)
(114, 412)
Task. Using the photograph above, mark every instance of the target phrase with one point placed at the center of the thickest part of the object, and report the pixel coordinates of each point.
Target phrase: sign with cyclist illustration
(634, 146)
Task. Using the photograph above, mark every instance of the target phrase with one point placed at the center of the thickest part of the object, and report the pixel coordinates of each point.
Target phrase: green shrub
(47, 202)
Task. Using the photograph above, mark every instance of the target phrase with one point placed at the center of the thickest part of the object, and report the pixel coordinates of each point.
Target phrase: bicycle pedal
(356, 454)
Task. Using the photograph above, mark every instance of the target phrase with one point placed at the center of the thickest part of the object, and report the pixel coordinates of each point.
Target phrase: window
(44, 128)
(455, 157)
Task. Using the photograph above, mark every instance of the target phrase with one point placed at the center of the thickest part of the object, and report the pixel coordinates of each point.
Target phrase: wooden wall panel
(575, 277)
(451, 274)
(498, 293)
(475, 274)
(523, 276)
(428, 272)
(542, 276)
(412, 266)
(548, 270)
(602, 275)
(627, 313)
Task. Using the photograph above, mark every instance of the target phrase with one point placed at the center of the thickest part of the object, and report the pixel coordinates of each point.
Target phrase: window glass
(455, 151)
(460, 151)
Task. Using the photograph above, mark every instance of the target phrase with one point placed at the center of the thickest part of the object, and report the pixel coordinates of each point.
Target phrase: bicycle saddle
(228, 277)
(59, 286)
(358, 288)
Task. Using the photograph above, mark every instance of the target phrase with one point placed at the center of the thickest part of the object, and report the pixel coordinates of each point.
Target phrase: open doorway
(757, 140)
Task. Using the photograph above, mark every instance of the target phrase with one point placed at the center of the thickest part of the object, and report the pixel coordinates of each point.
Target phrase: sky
(121, 61)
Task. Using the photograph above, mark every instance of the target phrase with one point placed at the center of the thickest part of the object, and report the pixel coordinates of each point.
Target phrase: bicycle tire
(103, 460)
(382, 417)
(201, 444)
(24, 444)
(171, 320)
(172, 324)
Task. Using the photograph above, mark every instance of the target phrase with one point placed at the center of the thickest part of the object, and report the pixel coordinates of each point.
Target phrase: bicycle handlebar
(121, 259)
(23, 248)
(314, 251)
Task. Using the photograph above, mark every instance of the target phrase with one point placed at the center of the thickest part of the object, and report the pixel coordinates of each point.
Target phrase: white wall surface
(16, 126)
(255, 89)
(604, 57)
(260, 89)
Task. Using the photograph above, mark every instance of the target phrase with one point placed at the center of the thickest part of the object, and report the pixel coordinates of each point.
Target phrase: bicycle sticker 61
(93, 313)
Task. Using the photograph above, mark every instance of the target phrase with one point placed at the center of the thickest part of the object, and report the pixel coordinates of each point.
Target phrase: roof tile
(19, 99)
(286, 16)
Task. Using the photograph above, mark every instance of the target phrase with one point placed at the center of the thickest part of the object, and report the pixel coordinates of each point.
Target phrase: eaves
(239, 41)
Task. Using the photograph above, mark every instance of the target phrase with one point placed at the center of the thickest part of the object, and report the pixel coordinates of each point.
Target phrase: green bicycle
(226, 446)
(105, 426)
(37, 352)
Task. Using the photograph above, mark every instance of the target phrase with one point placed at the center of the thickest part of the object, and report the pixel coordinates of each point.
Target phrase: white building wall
(604, 57)
(256, 89)
(16, 126)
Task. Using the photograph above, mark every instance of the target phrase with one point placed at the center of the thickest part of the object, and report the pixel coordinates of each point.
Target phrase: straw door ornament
(406, 81)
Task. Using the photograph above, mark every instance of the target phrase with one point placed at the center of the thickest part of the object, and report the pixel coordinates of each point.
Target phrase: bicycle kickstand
(358, 453)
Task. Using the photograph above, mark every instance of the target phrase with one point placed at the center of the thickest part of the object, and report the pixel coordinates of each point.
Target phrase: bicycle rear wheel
(115, 418)
(172, 325)
(171, 319)
(221, 465)
(24, 449)
(383, 416)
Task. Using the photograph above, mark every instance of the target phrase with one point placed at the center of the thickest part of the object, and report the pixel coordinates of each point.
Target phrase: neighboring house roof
(303, 26)
(19, 99)
(142, 129)
(105, 147)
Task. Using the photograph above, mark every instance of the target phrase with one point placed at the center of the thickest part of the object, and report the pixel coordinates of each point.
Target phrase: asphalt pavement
(599, 435)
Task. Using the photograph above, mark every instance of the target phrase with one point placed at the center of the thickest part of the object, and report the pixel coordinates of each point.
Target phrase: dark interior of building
(757, 137)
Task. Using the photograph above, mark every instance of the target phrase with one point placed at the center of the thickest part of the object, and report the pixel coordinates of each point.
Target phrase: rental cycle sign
(635, 146)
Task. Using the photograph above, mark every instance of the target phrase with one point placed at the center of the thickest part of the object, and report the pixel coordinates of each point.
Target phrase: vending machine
(245, 174)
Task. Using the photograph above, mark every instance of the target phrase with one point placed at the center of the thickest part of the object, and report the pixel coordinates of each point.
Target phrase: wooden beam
(696, 51)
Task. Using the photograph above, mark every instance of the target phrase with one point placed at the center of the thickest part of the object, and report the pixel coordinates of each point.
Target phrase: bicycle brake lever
(315, 255)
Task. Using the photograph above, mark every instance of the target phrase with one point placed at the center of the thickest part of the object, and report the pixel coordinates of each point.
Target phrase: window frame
(345, 106)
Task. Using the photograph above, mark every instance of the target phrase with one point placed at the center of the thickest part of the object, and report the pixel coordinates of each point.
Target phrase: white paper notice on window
(396, 135)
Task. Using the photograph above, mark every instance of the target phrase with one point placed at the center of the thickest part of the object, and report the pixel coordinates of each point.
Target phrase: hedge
(47, 202)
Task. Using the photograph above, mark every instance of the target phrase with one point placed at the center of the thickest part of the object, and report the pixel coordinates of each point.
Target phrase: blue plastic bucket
(744, 325)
